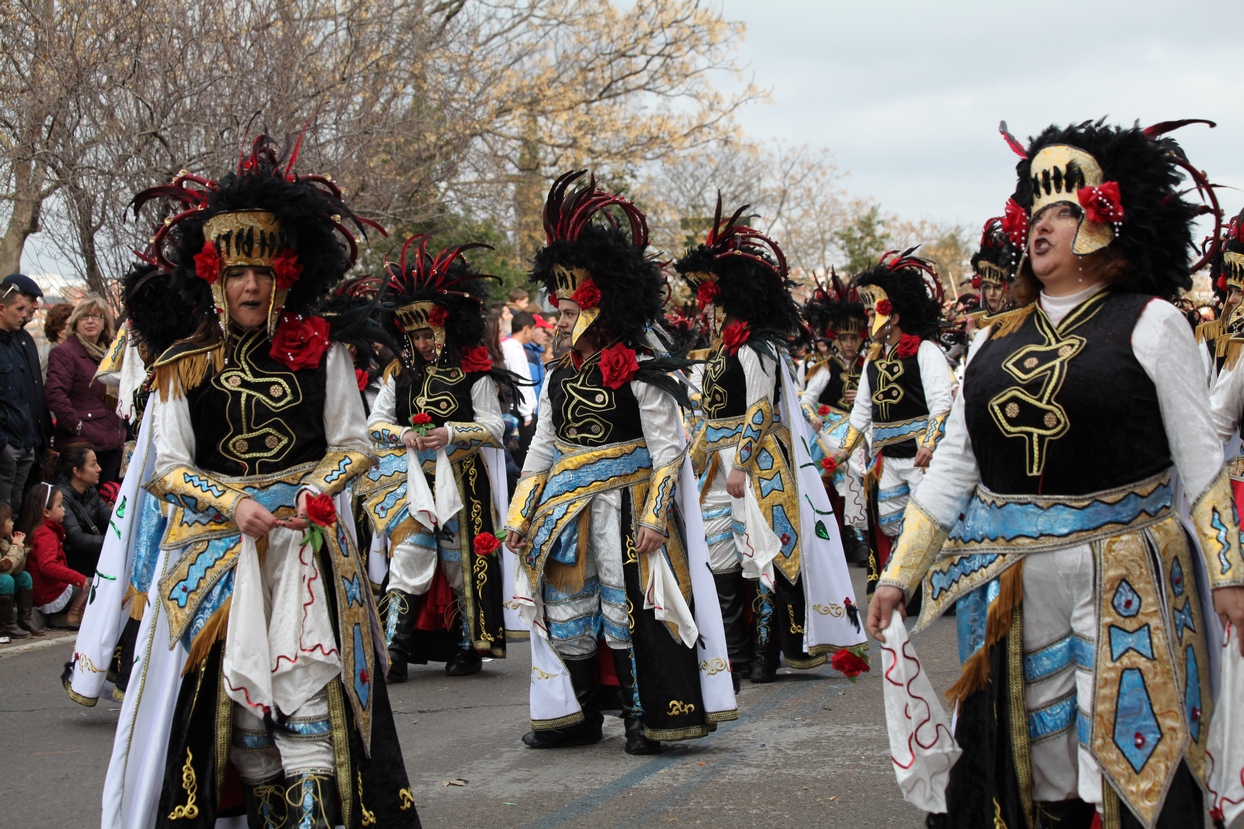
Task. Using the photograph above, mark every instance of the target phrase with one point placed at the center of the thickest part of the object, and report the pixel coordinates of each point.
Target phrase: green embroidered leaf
(821, 532)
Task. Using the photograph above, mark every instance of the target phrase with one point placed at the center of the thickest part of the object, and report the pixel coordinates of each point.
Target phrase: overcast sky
(909, 94)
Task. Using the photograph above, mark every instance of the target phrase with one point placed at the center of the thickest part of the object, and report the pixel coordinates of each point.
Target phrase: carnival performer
(993, 272)
(1228, 285)
(837, 319)
(438, 494)
(905, 392)
(259, 596)
(1083, 625)
(765, 509)
(604, 517)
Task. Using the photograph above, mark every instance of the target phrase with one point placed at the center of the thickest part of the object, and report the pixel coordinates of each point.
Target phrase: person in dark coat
(83, 410)
(19, 284)
(86, 513)
(17, 432)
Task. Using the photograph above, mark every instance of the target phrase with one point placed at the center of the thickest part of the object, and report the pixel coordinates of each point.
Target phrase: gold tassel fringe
(214, 631)
(998, 623)
(183, 373)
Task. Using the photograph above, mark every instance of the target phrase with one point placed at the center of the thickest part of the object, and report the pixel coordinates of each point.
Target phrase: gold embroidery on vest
(713, 401)
(250, 441)
(888, 392)
(583, 400)
(440, 403)
(678, 707)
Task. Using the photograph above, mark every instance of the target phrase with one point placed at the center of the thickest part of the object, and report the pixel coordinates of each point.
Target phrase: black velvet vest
(1066, 410)
(443, 393)
(842, 379)
(897, 395)
(256, 416)
(725, 386)
(587, 412)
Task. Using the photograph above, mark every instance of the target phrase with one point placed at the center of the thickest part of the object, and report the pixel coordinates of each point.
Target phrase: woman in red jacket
(57, 586)
(75, 397)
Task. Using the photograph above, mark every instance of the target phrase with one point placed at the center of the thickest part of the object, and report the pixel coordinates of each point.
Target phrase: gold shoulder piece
(184, 366)
(1233, 348)
(391, 371)
(1009, 322)
(874, 352)
(1211, 330)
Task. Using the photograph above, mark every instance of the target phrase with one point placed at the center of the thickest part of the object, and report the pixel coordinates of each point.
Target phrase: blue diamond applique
(1126, 601)
(1136, 729)
(1177, 578)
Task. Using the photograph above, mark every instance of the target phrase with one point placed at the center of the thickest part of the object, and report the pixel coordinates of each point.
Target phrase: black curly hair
(906, 282)
(1154, 240)
(824, 314)
(158, 315)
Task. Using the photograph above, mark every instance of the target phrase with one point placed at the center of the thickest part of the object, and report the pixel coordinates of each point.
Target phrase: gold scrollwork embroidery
(252, 440)
(369, 817)
(511, 605)
(714, 399)
(678, 707)
(481, 578)
(408, 799)
(190, 785)
(714, 666)
(536, 673)
(85, 663)
(888, 392)
(831, 609)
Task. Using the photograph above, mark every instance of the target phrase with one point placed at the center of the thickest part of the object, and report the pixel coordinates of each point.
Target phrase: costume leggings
(301, 743)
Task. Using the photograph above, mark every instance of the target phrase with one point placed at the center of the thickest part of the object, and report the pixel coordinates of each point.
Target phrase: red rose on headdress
(908, 345)
(207, 263)
(361, 377)
(300, 342)
(976, 283)
(734, 335)
(884, 308)
(1222, 283)
(707, 293)
(829, 465)
(587, 295)
(824, 410)
(321, 510)
(287, 269)
(485, 544)
(475, 359)
(831, 334)
(1015, 223)
(617, 366)
(1101, 204)
(849, 663)
(439, 316)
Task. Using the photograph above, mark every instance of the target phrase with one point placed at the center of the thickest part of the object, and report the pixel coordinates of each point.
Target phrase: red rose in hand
(707, 293)
(824, 410)
(207, 263)
(321, 510)
(1015, 223)
(287, 269)
(485, 544)
(849, 664)
(475, 359)
(587, 295)
(735, 335)
(908, 345)
(300, 342)
(617, 366)
(1101, 204)
(360, 377)
(829, 465)
(439, 316)
(421, 423)
(884, 308)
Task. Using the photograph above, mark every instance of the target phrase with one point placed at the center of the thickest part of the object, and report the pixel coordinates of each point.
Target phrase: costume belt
(899, 431)
(723, 432)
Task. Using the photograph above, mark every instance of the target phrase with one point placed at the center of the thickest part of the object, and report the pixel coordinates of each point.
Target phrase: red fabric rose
(207, 263)
(439, 316)
(831, 334)
(884, 308)
(475, 359)
(976, 283)
(485, 544)
(1222, 283)
(287, 269)
(824, 410)
(587, 295)
(849, 664)
(361, 377)
(908, 345)
(617, 366)
(1101, 204)
(421, 423)
(1015, 223)
(707, 293)
(300, 342)
(321, 510)
(829, 465)
(735, 335)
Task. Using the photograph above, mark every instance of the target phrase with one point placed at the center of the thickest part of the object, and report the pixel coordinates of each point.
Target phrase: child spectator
(56, 585)
(15, 583)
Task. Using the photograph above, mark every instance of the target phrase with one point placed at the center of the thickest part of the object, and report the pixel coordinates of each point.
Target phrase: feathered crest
(446, 271)
(894, 262)
(566, 215)
(733, 239)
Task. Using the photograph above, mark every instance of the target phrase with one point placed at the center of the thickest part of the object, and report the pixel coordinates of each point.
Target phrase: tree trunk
(24, 220)
(529, 192)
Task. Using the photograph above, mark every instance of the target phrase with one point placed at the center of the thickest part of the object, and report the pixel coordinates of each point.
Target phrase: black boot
(399, 628)
(1065, 814)
(855, 547)
(312, 801)
(732, 591)
(265, 804)
(632, 712)
(767, 649)
(583, 679)
(464, 662)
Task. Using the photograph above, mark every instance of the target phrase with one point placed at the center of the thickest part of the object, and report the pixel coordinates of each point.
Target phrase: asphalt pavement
(809, 749)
